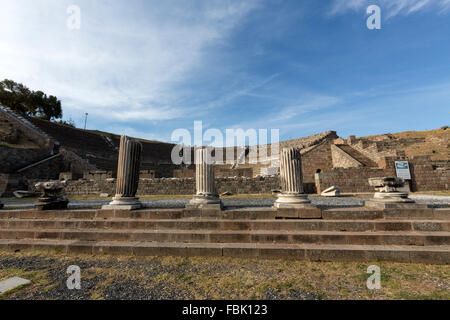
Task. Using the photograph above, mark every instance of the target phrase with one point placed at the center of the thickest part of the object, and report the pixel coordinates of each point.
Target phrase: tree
(19, 98)
(69, 123)
(14, 96)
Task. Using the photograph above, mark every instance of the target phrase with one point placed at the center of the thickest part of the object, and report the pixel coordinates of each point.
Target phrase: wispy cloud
(392, 7)
(125, 62)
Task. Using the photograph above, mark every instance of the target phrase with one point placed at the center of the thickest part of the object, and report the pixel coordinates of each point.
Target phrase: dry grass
(229, 278)
(436, 143)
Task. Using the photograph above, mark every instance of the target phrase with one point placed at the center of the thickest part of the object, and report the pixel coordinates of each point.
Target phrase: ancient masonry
(206, 196)
(52, 197)
(127, 175)
(389, 197)
(292, 194)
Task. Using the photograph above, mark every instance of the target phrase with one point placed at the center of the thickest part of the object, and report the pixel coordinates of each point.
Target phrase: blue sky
(145, 68)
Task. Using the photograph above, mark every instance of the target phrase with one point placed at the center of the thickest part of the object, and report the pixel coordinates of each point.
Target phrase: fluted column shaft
(204, 174)
(128, 167)
(291, 174)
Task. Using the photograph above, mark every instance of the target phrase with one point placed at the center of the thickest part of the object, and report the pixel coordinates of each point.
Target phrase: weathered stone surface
(12, 283)
(292, 194)
(130, 155)
(206, 196)
(299, 213)
(386, 184)
(252, 232)
(24, 194)
(392, 204)
(333, 191)
(387, 192)
(52, 196)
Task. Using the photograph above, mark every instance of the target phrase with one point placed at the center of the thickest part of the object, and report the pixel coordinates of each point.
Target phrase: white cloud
(125, 62)
(392, 7)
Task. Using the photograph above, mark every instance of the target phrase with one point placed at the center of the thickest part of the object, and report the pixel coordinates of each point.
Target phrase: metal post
(85, 120)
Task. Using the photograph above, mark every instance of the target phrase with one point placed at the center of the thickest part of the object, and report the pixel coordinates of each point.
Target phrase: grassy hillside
(433, 142)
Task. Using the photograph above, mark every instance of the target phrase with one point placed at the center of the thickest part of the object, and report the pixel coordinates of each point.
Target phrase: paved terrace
(234, 203)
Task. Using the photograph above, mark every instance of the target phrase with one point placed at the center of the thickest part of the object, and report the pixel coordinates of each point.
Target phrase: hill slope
(417, 143)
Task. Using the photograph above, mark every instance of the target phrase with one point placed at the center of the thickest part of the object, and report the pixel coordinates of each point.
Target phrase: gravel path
(231, 203)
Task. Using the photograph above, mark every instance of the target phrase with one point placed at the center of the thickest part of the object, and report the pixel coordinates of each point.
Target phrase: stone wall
(13, 159)
(429, 175)
(226, 172)
(48, 170)
(426, 175)
(173, 186)
(350, 179)
(318, 158)
(184, 173)
(343, 160)
(10, 183)
(15, 130)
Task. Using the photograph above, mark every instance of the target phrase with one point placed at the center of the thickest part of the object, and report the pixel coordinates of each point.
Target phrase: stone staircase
(346, 234)
(26, 123)
(358, 156)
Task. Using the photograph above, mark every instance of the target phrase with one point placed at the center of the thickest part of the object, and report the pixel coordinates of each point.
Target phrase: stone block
(390, 205)
(12, 283)
(307, 212)
(333, 191)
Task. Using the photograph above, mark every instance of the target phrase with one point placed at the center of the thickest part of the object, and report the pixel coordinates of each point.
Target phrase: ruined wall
(319, 158)
(18, 129)
(226, 172)
(10, 183)
(343, 160)
(184, 173)
(48, 170)
(173, 186)
(426, 175)
(13, 159)
(429, 175)
(350, 179)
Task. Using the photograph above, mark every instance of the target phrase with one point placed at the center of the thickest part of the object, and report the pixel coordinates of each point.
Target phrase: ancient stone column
(291, 178)
(206, 196)
(127, 175)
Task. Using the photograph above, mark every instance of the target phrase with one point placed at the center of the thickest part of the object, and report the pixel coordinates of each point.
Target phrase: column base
(299, 200)
(392, 200)
(119, 203)
(205, 202)
(392, 197)
(51, 204)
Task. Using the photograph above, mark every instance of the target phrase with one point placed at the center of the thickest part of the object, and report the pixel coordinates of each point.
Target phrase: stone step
(388, 214)
(260, 236)
(214, 224)
(250, 214)
(239, 214)
(396, 214)
(312, 252)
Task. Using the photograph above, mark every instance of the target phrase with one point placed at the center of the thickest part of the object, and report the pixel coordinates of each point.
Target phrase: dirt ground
(178, 278)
